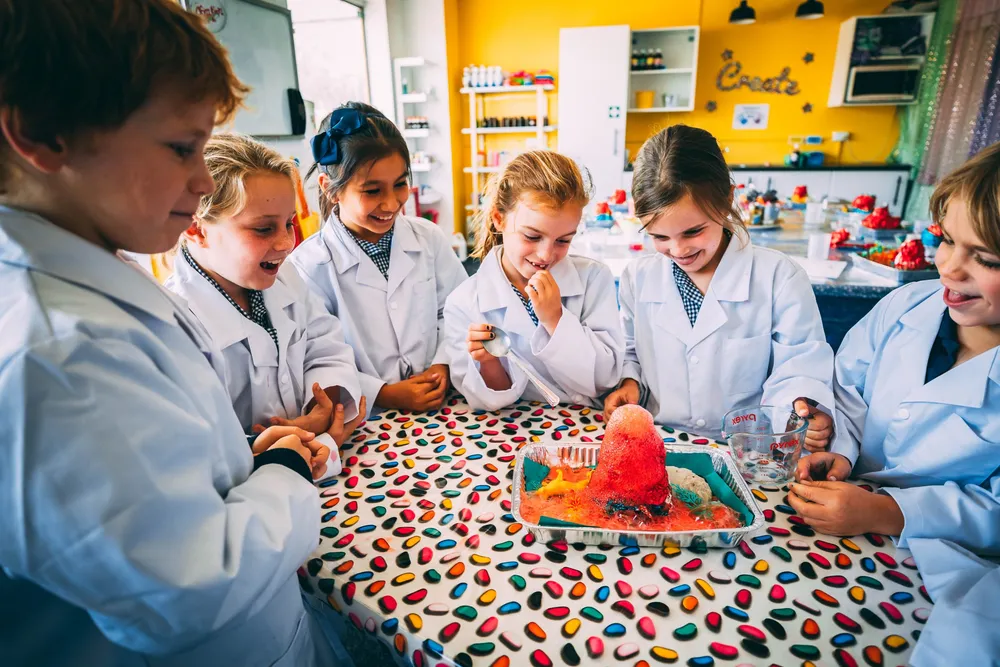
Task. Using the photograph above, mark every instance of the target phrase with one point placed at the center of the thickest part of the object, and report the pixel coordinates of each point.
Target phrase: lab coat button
(393, 305)
(694, 360)
(903, 414)
(284, 378)
(700, 422)
(578, 399)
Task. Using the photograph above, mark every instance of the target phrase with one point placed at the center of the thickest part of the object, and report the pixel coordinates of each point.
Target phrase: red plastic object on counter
(880, 219)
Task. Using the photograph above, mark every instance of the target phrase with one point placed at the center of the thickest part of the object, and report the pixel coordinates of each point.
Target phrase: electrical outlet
(839, 137)
(813, 140)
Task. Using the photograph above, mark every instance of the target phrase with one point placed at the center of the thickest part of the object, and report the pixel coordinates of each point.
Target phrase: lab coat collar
(227, 326)
(731, 281)
(30, 241)
(966, 384)
(401, 261)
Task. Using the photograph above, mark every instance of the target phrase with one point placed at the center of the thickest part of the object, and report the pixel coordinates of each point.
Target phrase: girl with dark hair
(384, 275)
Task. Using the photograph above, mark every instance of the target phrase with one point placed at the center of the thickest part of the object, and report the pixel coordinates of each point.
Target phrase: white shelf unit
(508, 130)
(477, 135)
(421, 166)
(404, 99)
(416, 133)
(679, 47)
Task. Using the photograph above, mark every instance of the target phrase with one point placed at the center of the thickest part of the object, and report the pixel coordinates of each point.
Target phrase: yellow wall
(524, 34)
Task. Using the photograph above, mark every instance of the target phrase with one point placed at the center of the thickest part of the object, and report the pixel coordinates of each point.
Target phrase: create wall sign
(730, 77)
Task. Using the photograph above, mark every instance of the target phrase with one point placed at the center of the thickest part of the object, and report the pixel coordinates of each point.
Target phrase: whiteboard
(258, 36)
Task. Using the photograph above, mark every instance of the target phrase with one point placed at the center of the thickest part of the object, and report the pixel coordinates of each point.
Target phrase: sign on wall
(730, 77)
(750, 116)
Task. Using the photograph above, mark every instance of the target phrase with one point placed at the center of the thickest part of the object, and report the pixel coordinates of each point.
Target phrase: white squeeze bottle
(465, 77)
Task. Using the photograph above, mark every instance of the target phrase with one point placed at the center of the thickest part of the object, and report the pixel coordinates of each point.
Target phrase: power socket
(840, 137)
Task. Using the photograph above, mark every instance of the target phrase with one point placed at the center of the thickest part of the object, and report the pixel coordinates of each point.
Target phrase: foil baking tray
(585, 454)
(892, 273)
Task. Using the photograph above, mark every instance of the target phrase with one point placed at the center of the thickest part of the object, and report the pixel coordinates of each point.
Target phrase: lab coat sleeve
(449, 274)
(112, 504)
(801, 359)
(965, 589)
(465, 375)
(968, 515)
(584, 355)
(850, 373)
(329, 360)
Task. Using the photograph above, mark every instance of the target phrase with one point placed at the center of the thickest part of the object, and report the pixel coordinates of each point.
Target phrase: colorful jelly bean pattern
(419, 549)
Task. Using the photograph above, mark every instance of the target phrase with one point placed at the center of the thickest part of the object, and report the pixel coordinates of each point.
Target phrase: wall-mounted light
(743, 15)
(810, 9)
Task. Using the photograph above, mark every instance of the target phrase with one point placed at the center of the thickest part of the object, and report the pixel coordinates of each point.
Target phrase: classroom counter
(419, 550)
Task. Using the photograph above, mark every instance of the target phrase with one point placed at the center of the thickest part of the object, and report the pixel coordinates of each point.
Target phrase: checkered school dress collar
(258, 311)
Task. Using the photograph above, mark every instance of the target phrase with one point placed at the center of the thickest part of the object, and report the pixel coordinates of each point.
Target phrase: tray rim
(724, 454)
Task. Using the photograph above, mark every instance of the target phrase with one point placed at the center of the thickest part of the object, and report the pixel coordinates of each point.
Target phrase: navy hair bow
(343, 122)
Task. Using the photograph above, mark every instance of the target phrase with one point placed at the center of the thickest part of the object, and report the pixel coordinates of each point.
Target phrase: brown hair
(551, 180)
(379, 139)
(231, 158)
(70, 66)
(977, 183)
(683, 160)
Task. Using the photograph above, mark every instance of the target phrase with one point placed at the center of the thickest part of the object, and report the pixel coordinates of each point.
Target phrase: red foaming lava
(580, 508)
(631, 467)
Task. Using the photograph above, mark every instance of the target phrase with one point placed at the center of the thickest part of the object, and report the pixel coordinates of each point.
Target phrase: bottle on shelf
(406, 87)
(466, 77)
(650, 59)
(658, 59)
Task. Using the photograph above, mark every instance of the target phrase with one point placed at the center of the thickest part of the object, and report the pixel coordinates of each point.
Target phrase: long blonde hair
(551, 180)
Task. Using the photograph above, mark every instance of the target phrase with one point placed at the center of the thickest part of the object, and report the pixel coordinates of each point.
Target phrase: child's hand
(416, 394)
(477, 334)
(340, 431)
(316, 420)
(319, 457)
(543, 292)
(840, 508)
(627, 393)
(438, 371)
(823, 466)
(269, 437)
(820, 425)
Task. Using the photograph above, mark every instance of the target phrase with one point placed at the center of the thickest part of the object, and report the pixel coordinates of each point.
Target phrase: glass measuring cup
(766, 442)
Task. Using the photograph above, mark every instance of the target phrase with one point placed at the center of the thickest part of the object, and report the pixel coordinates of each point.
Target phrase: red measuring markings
(744, 418)
(791, 444)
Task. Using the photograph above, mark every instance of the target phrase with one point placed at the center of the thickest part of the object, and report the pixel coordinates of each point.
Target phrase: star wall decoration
(727, 54)
(711, 106)
(808, 57)
(807, 108)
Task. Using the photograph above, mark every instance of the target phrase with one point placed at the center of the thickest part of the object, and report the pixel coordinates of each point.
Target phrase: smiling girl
(713, 323)
(385, 275)
(286, 359)
(558, 309)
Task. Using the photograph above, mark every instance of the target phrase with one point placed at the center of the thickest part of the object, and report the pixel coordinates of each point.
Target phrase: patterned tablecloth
(419, 549)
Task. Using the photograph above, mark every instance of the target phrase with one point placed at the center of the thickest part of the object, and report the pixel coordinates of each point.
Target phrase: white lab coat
(581, 360)
(962, 628)
(758, 339)
(126, 485)
(395, 325)
(935, 447)
(263, 381)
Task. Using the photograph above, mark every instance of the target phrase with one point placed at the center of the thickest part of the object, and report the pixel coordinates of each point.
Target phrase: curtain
(960, 101)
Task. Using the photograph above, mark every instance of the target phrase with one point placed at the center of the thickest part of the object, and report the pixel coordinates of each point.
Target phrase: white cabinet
(879, 59)
(593, 99)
